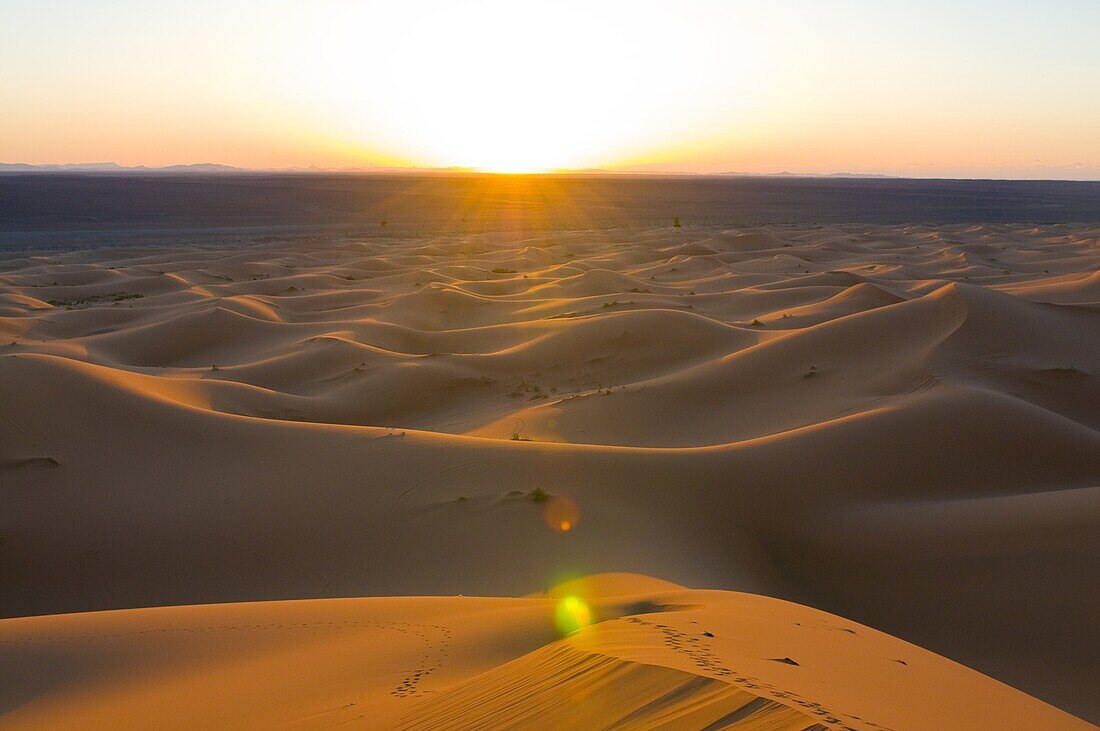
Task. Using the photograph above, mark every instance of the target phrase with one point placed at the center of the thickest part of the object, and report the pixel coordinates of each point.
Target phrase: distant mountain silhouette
(112, 167)
(788, 174)
(22, 167)
(214, 168)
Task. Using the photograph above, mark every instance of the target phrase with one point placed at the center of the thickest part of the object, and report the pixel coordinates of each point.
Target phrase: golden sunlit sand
(656, 656)
(895, 424)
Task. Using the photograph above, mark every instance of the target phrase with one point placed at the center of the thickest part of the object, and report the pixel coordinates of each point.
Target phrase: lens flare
(561, 514)
(572, 614)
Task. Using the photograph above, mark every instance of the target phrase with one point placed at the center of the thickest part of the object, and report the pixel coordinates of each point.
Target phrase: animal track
(697, 648)
(409, 685)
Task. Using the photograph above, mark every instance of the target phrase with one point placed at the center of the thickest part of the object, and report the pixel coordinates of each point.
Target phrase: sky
(930, 88)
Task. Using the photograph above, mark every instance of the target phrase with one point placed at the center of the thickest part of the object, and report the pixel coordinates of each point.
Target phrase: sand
(894, 424)
(656, 658)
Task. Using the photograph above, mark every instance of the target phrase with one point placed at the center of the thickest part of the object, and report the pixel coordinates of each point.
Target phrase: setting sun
(508, 87)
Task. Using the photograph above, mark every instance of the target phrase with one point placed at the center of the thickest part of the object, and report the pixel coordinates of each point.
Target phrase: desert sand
(888, 427)
(657, 657)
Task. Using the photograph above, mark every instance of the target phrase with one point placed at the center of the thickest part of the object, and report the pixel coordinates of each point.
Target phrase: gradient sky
(970, 88)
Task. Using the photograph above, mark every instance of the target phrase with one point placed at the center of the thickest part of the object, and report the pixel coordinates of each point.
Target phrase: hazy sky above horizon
(970, 88)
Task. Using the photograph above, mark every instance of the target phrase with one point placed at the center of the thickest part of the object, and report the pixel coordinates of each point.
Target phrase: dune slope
(678, 658)
(898, 424)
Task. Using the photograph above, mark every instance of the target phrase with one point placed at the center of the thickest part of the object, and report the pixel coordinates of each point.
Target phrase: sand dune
(655, 657)
(898, 424)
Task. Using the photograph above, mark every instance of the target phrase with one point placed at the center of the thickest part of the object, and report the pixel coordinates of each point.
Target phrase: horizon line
(108, 167)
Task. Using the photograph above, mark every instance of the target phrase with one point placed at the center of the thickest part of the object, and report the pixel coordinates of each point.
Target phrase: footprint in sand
(429, 661)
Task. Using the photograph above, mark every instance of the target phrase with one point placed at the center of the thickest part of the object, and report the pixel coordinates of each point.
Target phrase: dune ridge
(656, 657)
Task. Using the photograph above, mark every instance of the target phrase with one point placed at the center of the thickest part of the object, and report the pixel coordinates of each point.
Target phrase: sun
(501, 86)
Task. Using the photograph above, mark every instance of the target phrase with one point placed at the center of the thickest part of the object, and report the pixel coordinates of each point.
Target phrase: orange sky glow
(965, 89)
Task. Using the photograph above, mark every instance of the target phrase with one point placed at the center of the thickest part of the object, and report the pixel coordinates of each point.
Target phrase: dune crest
(660, 658)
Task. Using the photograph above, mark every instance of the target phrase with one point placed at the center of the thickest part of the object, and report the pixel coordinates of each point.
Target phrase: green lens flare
(572, 614)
